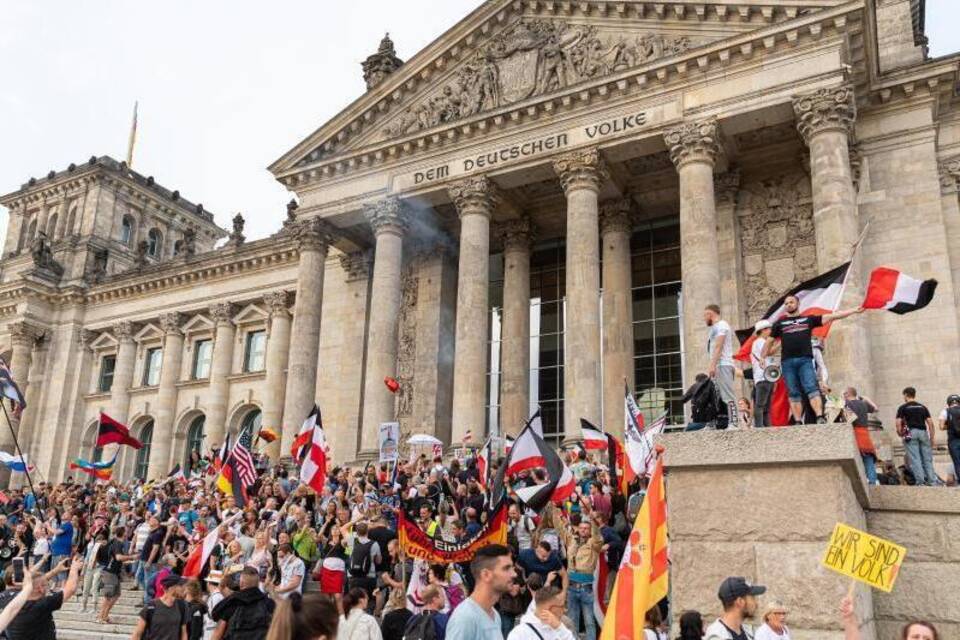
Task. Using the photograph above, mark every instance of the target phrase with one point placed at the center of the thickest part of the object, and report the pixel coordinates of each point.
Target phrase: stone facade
(775, 134)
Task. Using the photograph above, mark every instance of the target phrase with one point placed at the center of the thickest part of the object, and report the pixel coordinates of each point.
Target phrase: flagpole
(853, 257)
(16, 443)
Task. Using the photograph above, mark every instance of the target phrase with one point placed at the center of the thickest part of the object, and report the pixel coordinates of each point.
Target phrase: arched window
(143, 453)
(177, 247)
(194, 441)
(32, 230)
(71, 221)
(154, 243)
(126, 230)
(251, 423)
(52, 225)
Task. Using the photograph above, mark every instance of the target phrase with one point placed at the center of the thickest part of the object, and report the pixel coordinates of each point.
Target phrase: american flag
(243, 460)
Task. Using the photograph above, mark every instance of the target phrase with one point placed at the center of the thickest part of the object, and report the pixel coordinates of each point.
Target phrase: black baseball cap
(172, 580)
(737, 587)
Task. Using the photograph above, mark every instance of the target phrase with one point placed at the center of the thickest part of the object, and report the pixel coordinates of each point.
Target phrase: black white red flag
(305, 435)
(593, 438)
(531, 451)
(313, 466)
(895, 291)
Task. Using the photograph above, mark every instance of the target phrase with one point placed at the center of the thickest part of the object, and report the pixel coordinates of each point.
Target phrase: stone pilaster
(388, 219)
(24, 337)
(517, 238)
(225, 333)
(694, 147)
(475, 199)
(825, 120)
(277, 359)
(616, 226)
(119, 406)
(162, 445)
(949, 173)
(728, 248)
(313, 241)
(581, 174)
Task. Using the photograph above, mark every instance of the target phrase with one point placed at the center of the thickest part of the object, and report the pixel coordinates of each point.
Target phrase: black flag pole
(26, 469)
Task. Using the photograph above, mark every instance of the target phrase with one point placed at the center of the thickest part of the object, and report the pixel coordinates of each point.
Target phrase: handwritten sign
(864, 557)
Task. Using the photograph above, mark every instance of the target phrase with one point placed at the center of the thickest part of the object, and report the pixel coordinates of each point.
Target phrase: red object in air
(392, 384)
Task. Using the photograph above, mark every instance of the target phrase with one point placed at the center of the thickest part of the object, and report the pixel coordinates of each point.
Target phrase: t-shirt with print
(913, 414)
(795, 334)
(717, 329)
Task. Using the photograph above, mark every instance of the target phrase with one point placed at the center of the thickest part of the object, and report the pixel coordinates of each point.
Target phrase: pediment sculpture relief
(532, 58)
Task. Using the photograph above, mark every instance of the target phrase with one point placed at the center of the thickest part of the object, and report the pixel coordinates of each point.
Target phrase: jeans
(800, 377)
(953, 445)
(696, 426)
(150, 572)
(870, 467)
(54, 561)
(580, 603)
(138, 573)
(762, 395)
(920, 454)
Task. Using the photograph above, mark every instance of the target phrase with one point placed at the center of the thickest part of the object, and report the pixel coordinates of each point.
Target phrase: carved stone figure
(43, 256)
(381, 64)
(98, 267)
(531, 58)
(407, 341)
(236, 236)
(140, 258)
(189, 244)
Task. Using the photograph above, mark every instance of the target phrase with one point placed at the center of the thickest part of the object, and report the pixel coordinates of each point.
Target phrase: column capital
(355, 265)
(313, 234)
(475, 195)
(24, 334)
(949, 171)
(276, 302)
(170, 323)
(389, 215)
(832, 109)
(727, 185)
(86, 337)
(222, 312)
(582, 169)
(616, 216)
(517, 234)
(123, 331)
(694, 142)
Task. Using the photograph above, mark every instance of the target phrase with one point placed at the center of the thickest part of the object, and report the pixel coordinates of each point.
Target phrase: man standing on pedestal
(721, 367)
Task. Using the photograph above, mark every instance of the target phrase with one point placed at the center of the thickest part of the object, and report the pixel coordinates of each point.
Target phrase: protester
(721, 366)
(356, 623)
(311, 617)
(739, 601)
(691, 626)
(246, 613)
(857, 410)
(431, 622)
(292, 572)
(167, 617)
(763, 377)
(950, 422)
(545, 622)
(35, 619)
(915, 630)
(16, 603)
(915, 426)
(704, 402)
(583, 544)
(774, 625)
(476, 618)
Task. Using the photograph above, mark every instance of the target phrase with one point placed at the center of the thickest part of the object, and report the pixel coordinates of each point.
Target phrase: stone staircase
(74, 624)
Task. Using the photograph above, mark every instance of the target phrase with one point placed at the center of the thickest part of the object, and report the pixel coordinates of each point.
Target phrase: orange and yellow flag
(643, 576)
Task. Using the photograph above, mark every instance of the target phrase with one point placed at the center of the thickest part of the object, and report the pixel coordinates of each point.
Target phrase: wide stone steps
(75, 624)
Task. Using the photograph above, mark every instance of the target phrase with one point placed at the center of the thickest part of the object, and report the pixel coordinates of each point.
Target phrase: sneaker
(821, 419)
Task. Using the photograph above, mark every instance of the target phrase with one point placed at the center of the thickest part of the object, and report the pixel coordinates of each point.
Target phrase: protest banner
(864, 557)
(389, 441)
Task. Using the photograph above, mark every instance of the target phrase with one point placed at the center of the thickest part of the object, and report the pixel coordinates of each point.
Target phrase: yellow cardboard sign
(864, 557)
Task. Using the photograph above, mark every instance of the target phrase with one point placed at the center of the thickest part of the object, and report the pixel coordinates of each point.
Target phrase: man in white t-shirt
(762, 386)
(292, 572)
(720, 340)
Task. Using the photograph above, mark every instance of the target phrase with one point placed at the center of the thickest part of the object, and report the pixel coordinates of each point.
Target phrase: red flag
(110, 431)
(895, 291)
(201, 553)
(313, 468)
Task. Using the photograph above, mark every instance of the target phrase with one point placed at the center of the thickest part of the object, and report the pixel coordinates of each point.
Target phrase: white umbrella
(422, 439)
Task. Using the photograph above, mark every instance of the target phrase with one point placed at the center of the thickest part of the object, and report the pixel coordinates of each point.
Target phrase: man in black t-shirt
(796, 361)
(915, 426)
(951, 424)
(35, 620)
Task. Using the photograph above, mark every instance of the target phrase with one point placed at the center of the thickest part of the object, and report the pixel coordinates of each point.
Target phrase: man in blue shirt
(61, 547)
(475, 618)
(541, 559)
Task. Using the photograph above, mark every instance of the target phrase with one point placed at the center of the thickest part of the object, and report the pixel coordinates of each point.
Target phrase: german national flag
(229, 482)
(111, 431)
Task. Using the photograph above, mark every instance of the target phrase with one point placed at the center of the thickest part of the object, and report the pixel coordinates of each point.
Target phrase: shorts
(800, 377)
(109, 585)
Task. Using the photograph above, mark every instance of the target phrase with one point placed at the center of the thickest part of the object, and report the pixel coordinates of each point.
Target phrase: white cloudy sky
(225, 87)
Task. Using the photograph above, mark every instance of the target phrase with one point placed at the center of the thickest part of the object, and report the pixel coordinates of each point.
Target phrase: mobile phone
(18, 570)
(263, 573)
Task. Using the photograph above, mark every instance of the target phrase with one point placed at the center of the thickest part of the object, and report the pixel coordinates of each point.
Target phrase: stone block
(698, 568)
(923, 591)
(923, 534)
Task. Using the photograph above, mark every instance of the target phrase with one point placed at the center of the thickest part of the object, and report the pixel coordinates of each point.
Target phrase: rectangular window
(254, 356)
(151, 367)
(107, 366)
(202, 355)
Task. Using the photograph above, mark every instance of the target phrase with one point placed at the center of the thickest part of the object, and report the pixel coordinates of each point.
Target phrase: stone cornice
(774, 38)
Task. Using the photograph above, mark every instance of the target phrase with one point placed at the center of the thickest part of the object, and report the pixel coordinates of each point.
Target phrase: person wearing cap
(774, 623)
(166, 617)
(216, 592)
(762, 385)
(950, 422)
(739, 600)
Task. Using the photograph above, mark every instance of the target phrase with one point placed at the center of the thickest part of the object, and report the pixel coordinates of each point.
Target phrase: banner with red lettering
(417, 544)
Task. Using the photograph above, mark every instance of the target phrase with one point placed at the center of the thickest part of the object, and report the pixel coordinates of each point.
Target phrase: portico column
(166, 413)
(313, 240)
(694, 148)
(825, 120)
(388, 219)
(225, 333)
(24, 338)
(515, 326)
(278, 356)
(119, 407)
(581, 174)
(616, 226)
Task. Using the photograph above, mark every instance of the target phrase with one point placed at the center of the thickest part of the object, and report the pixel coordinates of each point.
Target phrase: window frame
(247, 352)
(101, 375)
(198, 345)
(147, 359)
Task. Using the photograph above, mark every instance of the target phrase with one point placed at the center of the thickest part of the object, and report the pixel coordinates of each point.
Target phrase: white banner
(389, 441)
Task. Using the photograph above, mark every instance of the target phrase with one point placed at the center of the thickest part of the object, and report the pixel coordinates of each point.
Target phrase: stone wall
(762, 504)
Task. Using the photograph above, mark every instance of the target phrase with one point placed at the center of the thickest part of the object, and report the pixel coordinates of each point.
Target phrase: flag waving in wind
(313, 463)
(531, 451)
(201, 553)
(897, 292)
(110, 431)
(305, 435)
(10, 390)
(593, 438)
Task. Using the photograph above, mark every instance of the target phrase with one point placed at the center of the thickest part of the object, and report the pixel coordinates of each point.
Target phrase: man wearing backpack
(950, 422)
(364, 558)
(246, 613)
(429, 624)
(166, 617)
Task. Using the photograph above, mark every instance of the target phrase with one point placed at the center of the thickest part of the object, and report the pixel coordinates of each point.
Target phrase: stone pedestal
(277, 359)
(825, 119)
(475, 199)
(389, 222)
(581, 174)
(162, 443)
(515, 327)
(694, 148)
(215, 425)
(615, 228)
(313, 239)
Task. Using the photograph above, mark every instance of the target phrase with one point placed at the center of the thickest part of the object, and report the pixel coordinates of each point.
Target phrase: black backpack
(250, 622)
(421, 627)
(953, 421)
(360, 559)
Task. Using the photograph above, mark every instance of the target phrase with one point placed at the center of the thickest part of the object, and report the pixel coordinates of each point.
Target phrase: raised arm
(840, 315)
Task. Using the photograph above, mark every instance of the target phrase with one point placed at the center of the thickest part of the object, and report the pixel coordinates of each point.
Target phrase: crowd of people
(291, 563)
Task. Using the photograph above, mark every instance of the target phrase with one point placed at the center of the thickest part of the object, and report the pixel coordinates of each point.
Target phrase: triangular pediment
(197, 324)
(104, 341)
(508, 53)
(149, 332)
(250, 313)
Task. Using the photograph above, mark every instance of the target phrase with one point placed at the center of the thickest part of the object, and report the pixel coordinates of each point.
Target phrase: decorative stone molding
(517, 234)
(356, 265)
(171, 322)
(694, 142)
(222, 312)
(123, 331)
(856, 166)
(277, 302)
(85, 338)
(949, 175)
(727, 186)
(583, 169)
(24, 333)
(616, 216)
(313, 234)
(478, 195)
(825, 110)
(387, 216)
(381, 64)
